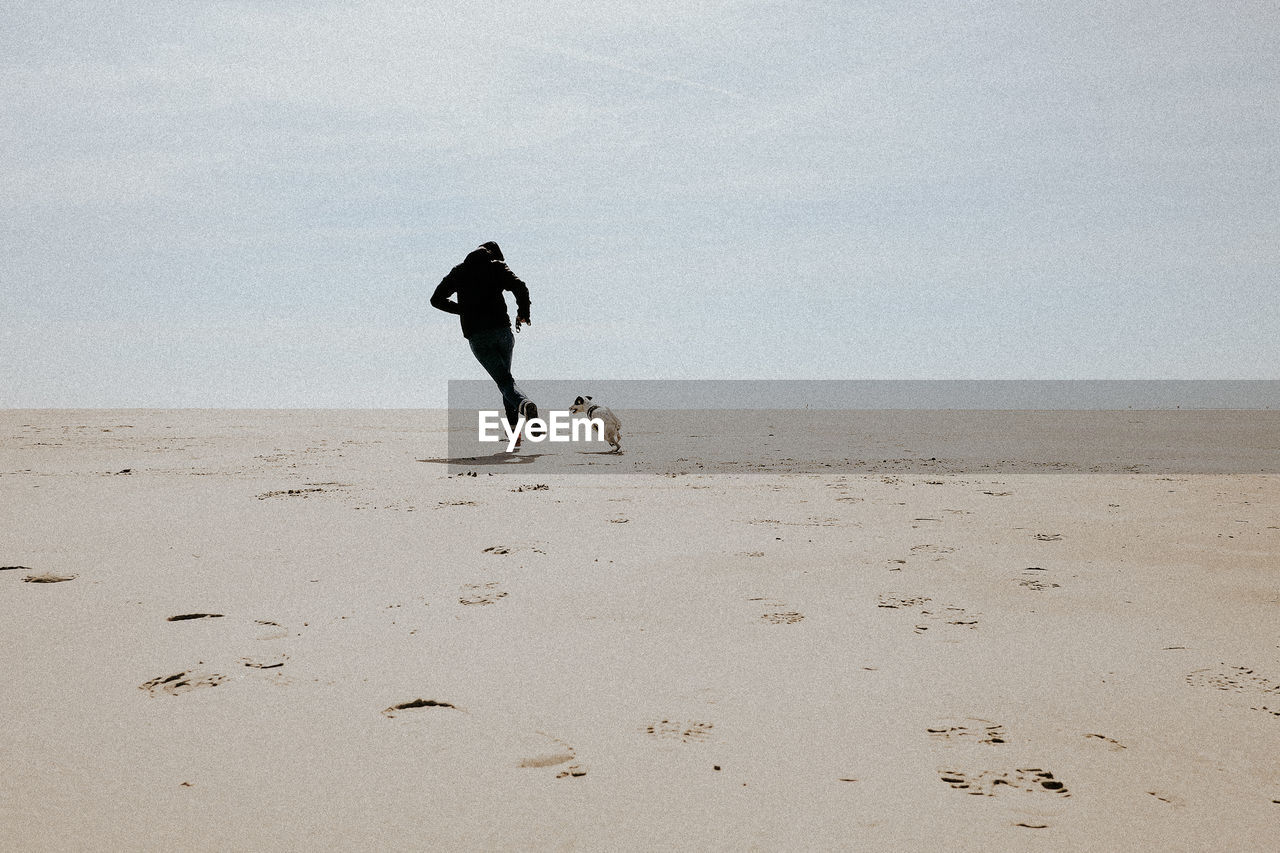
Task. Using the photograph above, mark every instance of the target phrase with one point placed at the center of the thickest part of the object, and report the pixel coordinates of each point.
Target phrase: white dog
(612, 426)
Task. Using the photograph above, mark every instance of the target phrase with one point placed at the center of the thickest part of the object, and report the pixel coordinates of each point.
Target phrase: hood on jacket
(493, 249)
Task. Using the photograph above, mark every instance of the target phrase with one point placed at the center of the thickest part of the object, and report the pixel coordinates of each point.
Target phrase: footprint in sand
(559, 753)
(932, 549)
(551, 759)
(265, 663)
(292, 493)
(280, 633)
(989, 783)
(181, 682)
(950, 614)
(969, 728)
(690, 732)
(275, 635)
(789, 617)
(511, 549)
(1036, 584)
(777, 615)
(895, 601)
(1047, 537)
(1239, 679)
(417, 703)
(947, 614)
(1113, 744)
(554, 752)
(481, 593)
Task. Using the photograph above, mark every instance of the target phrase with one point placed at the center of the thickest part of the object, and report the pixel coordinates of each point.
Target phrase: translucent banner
(869, 427)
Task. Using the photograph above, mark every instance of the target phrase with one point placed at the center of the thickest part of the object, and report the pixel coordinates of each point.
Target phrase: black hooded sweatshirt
(479, 282)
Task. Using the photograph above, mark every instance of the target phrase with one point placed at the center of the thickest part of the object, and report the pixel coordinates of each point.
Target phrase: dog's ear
(579, 401)
(588, 398)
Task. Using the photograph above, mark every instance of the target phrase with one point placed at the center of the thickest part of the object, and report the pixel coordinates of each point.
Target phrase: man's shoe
(529, 411)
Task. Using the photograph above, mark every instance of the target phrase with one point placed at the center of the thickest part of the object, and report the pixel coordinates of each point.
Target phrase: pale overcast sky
(249, 204)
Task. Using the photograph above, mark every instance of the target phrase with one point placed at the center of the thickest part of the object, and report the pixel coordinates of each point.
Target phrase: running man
(478, 283)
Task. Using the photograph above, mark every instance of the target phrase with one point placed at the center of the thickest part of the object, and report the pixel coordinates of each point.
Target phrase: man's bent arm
(440, 299)
(521, 291)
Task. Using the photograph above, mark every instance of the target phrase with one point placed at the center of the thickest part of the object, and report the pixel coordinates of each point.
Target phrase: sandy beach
(285, 630)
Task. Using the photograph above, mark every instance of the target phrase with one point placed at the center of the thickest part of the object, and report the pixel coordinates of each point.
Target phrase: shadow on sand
(495, 459)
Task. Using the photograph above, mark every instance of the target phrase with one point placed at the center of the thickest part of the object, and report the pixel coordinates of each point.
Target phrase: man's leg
(495, 349)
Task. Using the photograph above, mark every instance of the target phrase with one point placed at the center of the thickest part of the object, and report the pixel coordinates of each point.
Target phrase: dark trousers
(494, 348)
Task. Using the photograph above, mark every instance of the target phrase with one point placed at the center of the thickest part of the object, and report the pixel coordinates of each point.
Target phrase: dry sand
(848, 660)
